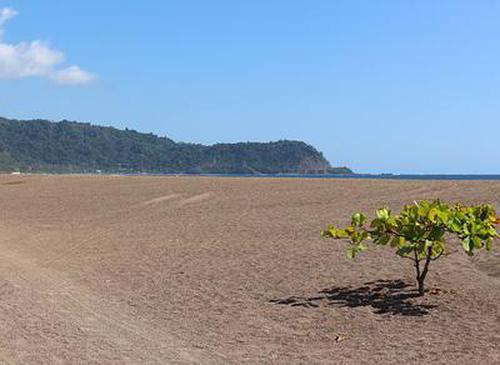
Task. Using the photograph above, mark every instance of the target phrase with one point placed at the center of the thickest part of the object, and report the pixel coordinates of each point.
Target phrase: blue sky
(380, 86)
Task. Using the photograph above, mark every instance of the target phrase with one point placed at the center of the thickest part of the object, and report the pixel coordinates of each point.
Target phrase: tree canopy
(421, 231)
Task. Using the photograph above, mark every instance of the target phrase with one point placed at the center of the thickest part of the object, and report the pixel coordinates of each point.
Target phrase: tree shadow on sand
(392, 297)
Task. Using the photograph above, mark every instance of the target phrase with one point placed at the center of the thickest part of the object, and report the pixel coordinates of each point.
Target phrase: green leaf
(358, 219)
(466, 244)
(362, 247)
(351, 252)
(340, 233)
(438, 248)
(405, 250)
(397, 241)
(383, 240)
(478, 242)
(383, 213)
(489, 244)
(432, 214)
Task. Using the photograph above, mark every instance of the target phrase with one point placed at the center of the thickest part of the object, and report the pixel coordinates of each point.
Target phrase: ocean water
(357, 176)
(411, 177)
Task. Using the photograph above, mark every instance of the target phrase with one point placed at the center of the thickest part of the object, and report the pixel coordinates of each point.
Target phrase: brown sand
(114, 270)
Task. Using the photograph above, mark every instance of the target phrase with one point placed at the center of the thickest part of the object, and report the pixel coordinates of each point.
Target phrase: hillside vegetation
(41, 145)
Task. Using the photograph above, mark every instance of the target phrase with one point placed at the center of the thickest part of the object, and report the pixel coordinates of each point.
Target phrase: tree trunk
(421, 275)
(421, 285)
(420, 282)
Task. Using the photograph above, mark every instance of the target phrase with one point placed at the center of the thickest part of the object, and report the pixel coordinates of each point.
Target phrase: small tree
(421, 231)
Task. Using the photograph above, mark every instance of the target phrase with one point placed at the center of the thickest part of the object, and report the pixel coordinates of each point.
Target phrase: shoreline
(397, 177)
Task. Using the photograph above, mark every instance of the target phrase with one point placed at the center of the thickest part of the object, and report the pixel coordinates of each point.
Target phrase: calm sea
(364, 176)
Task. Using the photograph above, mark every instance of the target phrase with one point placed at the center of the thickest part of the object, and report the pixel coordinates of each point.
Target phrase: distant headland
(72, 147)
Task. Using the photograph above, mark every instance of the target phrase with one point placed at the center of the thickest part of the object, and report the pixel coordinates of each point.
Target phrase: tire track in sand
(85, 306)
(64, 254)
(195, 199)
(156, 200)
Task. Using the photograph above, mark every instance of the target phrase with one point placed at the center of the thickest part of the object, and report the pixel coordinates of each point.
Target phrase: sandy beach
(140, 270)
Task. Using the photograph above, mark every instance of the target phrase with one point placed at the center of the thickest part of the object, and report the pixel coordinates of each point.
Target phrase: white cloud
(5, 14)
(73, 75)
(36, 58)
(28, 59)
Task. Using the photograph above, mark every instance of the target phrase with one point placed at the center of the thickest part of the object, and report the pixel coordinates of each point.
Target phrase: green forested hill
(40, 145)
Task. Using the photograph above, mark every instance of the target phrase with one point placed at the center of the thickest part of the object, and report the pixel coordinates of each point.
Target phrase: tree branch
(417, 263)
(427, 262)
(438, 256)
